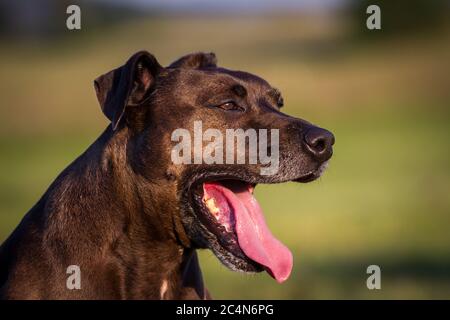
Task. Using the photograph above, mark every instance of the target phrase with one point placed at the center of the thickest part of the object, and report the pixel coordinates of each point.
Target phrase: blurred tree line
(400, 17)
(45, 20)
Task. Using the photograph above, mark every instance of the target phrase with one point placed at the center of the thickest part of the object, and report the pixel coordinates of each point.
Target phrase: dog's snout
(319, 143)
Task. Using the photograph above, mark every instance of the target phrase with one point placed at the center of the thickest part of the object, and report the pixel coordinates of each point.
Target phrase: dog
(123, 221)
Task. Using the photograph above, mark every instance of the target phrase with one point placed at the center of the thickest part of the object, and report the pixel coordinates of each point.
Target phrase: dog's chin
(219, 234)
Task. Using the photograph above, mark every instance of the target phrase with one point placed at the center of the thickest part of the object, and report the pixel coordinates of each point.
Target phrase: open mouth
(232, 224)
(229, 210)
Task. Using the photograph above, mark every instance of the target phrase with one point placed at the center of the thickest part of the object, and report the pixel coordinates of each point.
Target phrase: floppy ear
(197, 60)
(126, 86)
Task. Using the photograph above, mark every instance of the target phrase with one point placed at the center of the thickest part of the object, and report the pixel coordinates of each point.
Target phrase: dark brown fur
(122, 210)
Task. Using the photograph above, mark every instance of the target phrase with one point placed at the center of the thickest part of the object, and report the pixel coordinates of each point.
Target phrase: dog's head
(209, 135)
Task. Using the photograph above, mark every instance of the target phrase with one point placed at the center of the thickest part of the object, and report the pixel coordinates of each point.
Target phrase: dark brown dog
(131, 219)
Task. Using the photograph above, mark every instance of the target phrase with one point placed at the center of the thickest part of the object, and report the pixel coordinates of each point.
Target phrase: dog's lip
(254, 181)
(311, 176)
(219, 177)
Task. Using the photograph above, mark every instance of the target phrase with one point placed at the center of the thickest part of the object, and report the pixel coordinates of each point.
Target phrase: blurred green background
(385, 95)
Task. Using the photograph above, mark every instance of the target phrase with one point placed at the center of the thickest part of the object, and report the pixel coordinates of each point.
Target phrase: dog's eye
(230, 105)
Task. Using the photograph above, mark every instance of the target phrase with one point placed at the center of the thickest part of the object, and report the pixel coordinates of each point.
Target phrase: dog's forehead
(243, 76)
(221, 76)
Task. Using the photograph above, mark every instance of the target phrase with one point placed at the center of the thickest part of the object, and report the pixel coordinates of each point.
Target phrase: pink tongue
(254, 237)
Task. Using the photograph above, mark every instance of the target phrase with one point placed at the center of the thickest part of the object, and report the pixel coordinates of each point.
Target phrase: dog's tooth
(211, 205)
(227, 227)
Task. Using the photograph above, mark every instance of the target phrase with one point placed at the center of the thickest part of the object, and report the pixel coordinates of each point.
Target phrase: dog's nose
(319, 143)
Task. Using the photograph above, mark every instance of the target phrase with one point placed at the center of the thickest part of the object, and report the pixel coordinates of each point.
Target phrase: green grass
(383, 200)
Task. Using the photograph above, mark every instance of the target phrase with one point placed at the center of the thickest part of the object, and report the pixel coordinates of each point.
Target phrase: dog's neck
(132, 224)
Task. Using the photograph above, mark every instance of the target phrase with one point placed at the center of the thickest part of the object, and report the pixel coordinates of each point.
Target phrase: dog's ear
(126, 86)
(197, 60)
